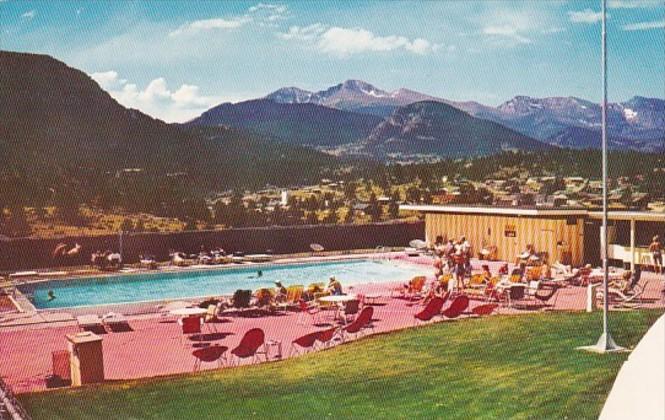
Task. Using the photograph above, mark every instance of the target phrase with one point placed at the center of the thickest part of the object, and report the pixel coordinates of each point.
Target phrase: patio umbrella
(317, 247)
(418, 244)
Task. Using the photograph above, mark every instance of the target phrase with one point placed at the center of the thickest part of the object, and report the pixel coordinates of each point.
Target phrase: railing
(10, 408)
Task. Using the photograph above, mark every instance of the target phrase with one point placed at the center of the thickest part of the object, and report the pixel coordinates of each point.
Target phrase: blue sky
(174, 59)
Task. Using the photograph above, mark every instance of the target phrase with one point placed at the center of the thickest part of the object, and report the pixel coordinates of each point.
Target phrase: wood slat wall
(486, 230)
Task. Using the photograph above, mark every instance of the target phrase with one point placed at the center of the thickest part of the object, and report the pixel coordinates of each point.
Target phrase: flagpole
(605, 342)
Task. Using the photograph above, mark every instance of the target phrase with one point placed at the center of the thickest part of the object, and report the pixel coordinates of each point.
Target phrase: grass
(498, 367)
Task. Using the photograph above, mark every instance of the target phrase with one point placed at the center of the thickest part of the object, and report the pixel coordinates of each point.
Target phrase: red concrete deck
(153, 346)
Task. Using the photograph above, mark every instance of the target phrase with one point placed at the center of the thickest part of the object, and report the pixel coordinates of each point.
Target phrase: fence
(24, 253)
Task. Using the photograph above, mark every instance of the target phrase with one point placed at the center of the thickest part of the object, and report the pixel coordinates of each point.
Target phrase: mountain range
(56, 122)
(638, 123)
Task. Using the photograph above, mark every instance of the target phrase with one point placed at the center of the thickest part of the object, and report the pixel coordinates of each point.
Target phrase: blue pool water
(211, 282)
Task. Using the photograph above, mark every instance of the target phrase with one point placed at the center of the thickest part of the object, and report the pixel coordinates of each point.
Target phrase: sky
(175, 59)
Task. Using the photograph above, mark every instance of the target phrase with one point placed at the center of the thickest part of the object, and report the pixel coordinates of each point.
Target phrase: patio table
(189, 312)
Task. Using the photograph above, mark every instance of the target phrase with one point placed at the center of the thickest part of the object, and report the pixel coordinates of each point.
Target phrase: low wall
(25, 253)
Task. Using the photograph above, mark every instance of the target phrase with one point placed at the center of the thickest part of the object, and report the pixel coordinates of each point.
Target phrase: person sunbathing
(280, 292)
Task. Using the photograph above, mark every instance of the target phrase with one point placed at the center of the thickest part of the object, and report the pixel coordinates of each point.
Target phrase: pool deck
(152, 346)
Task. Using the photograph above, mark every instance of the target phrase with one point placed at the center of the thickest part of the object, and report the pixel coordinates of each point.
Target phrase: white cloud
(303, 33)
(211, 24)
(508, 32)
(263, 14)
(29, 14)
(157, 99)
(508, 28)
(273, 9)
(108, 79)
(344, 42)
(644, 26)
(634, 4)
(585, 16)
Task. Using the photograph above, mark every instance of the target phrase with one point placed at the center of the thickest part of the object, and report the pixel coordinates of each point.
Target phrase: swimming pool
(211, 282)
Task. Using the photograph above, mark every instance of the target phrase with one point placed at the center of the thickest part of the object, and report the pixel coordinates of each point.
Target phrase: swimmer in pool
(258, 274)
(51, 295)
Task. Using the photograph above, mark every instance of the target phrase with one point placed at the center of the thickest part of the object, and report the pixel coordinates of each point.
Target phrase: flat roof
(644, 216)
(510, 211)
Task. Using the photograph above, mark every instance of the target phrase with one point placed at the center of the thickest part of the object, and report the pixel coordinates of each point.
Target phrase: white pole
(605, 342)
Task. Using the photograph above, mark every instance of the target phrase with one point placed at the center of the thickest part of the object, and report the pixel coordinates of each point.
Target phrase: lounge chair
(432, 309)
(485, 309)
(209, 355)
(304, 343)
(325, 337)
(457, 307)
(362, 322)
(249, 346)
(412, 290)
(115, 321)
(293, 295)
(632, 299)
(90, 323)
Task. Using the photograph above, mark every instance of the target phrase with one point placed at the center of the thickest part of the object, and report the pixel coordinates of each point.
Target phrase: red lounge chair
(325, 337)
(191, 325)
(485, 309)
(432, 309)
(364, 320)
(249, 346)
(303, 343)
(457, 307)
(209, 355)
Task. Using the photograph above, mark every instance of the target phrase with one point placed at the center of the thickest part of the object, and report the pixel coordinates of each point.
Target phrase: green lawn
(497, 367)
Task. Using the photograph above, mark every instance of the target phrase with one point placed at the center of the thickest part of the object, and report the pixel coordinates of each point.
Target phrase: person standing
(656, 250)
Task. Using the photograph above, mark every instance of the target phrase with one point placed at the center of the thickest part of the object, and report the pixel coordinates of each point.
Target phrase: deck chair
(209, 355)
(632, 299)
(361, 323)
(90, 323)
(190, 325)
(432, 309)
(304, 343)
(415, 287)
(477, 281)
(325, 337)
(249, 346)
(349, 309)
(457, 307)
(485, 309)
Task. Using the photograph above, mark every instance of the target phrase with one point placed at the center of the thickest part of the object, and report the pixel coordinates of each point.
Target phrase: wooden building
(559, 232)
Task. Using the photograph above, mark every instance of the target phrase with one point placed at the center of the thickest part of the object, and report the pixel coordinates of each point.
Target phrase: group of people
(106, 260)
(334, 288)
(453, 256)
